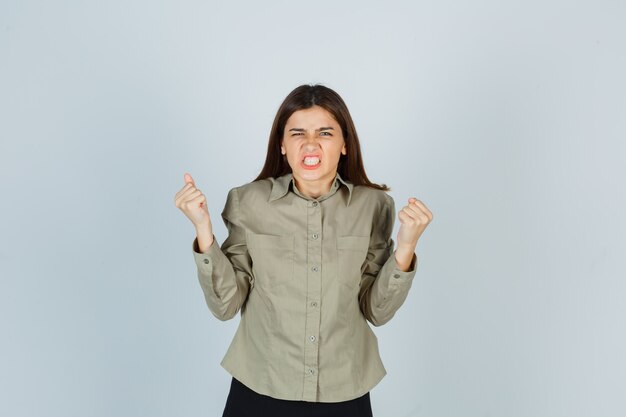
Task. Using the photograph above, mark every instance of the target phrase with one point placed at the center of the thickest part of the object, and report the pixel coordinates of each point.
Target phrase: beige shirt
(307, 274)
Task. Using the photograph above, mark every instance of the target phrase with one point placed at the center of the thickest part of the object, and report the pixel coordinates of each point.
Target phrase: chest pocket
(351, 253)
(272, 258)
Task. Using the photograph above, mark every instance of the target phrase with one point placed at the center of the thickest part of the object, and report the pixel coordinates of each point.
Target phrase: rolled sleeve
(384, 286)
(225, 272)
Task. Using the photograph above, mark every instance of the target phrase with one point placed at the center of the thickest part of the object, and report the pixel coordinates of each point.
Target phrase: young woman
(308, 260)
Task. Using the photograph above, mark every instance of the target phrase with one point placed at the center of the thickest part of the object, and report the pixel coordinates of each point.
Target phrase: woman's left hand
(414, 217)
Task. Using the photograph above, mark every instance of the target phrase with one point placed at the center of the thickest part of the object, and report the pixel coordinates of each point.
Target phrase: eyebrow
(298, 129)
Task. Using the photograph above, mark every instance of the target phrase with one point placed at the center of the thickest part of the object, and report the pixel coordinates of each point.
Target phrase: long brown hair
(350, 166)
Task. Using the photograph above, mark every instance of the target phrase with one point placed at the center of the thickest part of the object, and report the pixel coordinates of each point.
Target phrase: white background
(506, 118)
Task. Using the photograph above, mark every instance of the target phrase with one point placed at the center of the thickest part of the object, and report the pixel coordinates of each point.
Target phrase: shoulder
(251, 191)
(263, 186)
(249, 195)
(373, 196)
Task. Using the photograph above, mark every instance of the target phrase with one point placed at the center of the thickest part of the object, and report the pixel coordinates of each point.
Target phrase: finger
(182, 190)
(403, 217)
(188, 178)
(416, 214)
(413, 207)
(192, 195)
(189, 201)
(424, 209)
(184, 195)
(417, 203)
(413, 213)
(199, 199)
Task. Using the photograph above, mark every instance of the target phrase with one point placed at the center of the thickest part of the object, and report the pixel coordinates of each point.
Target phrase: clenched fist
(414, 218)
(192, 202)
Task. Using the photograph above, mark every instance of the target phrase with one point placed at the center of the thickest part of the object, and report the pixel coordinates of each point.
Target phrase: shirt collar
(282, 184)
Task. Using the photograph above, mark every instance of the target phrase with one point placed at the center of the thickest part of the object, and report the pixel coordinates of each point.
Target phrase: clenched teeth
(311, 160)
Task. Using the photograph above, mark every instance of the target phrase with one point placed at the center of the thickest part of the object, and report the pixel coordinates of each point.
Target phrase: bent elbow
(223, 316)
(379, 320)
(226, 310)
(378, 317)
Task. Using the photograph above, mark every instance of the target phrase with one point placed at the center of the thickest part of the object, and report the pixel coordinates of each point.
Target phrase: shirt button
(206, 261)
(314, 204)
(311, 371)
(315, 236)
(314, 303)
(312, 338)
(314, 269)
(396, 275)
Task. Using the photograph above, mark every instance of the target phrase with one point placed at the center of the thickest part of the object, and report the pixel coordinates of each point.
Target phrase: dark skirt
(244, 402)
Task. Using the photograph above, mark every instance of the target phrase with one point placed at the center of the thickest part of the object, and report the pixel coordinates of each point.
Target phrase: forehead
(312, 117)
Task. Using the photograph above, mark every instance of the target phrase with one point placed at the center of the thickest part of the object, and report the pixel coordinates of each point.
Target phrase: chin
(308, 175)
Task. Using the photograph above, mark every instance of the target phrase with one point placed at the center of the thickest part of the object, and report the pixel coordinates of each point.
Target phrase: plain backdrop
(506, 118)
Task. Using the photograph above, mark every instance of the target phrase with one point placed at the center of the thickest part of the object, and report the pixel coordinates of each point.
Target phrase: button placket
(313, 288)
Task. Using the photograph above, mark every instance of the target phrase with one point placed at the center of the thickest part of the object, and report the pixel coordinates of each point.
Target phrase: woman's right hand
(193, 204)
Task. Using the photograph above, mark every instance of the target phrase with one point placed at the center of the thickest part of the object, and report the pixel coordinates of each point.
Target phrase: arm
(225, 273)
(385, 284)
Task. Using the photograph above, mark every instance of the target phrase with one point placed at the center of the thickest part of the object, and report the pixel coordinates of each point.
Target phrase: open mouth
(311, 161)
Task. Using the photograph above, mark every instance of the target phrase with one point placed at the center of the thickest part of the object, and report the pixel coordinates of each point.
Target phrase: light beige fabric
(305, 274)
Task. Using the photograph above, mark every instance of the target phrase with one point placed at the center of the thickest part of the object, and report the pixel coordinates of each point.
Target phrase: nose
(311, 143)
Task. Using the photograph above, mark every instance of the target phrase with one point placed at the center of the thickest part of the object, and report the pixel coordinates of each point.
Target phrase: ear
(343, 150)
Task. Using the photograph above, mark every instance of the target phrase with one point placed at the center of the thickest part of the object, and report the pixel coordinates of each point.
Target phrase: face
(313, 134)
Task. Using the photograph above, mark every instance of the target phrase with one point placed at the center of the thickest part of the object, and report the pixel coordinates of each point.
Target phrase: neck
(315, 188)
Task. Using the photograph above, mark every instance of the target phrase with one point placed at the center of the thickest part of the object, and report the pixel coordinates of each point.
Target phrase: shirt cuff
(399, 276)
(206, 261)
